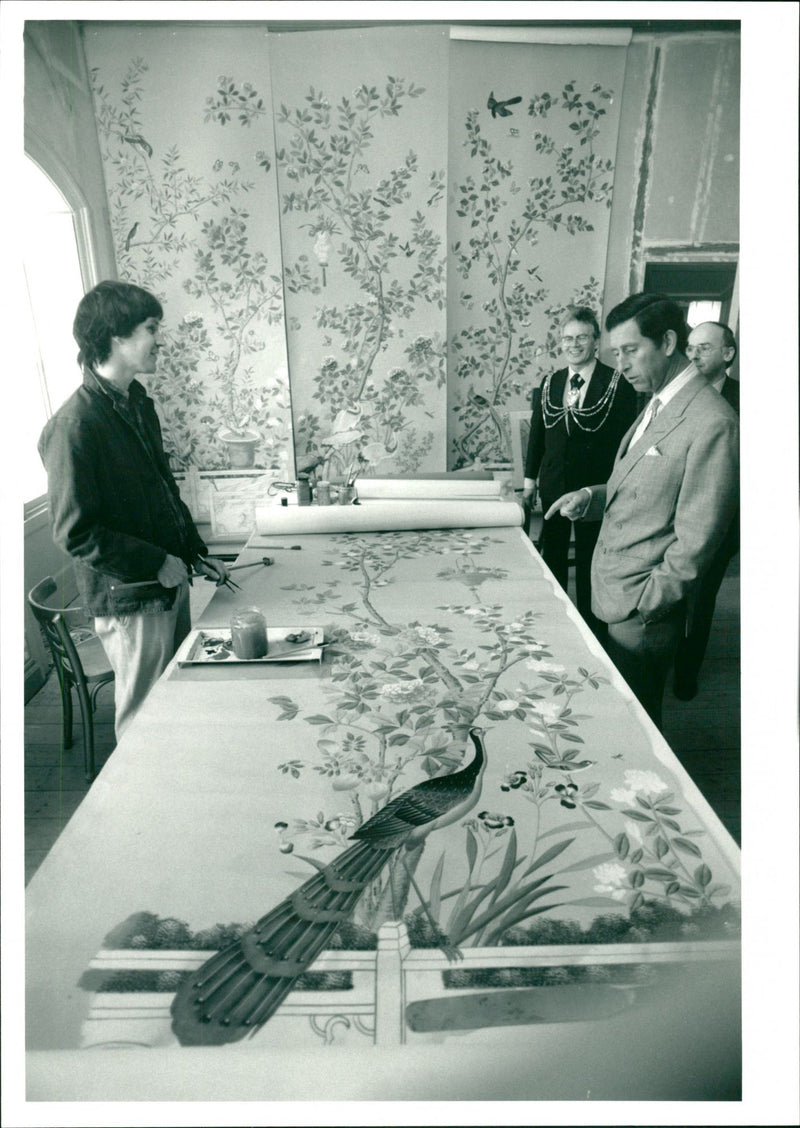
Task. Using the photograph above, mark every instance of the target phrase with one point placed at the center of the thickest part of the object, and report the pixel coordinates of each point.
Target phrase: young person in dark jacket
(114, 506)
(577, 423)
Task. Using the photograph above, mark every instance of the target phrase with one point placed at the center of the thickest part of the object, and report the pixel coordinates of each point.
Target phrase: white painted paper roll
(426, 489)
(374, 516)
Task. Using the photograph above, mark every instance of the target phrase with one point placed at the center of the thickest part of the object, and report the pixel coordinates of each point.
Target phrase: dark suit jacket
(730, 546)
(566, 460)
(730, 392)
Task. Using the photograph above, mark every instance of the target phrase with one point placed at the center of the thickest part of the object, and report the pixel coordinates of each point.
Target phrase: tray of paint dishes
(211, 646)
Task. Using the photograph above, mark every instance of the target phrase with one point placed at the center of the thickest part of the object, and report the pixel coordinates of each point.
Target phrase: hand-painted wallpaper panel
(533, 134)
(371, 204)
(190, 173)
(361, 134)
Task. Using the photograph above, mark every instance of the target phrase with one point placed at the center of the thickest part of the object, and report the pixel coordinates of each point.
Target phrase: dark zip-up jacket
(114, 506)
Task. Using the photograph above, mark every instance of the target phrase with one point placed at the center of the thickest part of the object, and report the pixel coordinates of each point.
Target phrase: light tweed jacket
(666, 507)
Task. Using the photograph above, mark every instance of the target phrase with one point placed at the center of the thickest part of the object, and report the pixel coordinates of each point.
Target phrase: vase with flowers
(348, 450)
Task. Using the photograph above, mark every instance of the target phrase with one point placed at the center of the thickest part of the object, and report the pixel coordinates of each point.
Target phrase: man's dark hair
(728, 339)
(580, 313)
(654, 314)
(111, 309)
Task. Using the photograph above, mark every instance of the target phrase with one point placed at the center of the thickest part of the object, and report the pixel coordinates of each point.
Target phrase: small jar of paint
(303, 490)
(248, 633)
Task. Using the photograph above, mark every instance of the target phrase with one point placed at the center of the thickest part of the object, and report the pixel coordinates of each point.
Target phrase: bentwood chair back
(81, 665)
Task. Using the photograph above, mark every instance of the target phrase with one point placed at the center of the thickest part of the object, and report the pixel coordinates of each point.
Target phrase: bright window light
(699, 312)
(52, 282)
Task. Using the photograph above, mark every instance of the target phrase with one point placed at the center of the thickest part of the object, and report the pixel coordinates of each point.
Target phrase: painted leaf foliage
(508, 341)
(372, 267)
(400, 699)
(184, 229)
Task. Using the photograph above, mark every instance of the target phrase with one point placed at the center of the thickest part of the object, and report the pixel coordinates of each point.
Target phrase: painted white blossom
(428, 635)
(611, 878)
(637, 781)
(399, 691)
(632, 830)
(506, 706)
(645, 781)
(470, 666)
(368, 637)
(542, 666)
(549, 711)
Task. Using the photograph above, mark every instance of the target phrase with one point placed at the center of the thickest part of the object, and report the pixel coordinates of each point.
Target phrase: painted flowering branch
(545, 205)
(325, 159)
(158, 206)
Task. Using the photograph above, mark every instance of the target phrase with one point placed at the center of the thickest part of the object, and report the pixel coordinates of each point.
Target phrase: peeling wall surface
(676, 193)
(364, 238)
(696, 133)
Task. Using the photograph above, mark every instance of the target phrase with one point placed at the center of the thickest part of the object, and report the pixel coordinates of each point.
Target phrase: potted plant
(240, 441)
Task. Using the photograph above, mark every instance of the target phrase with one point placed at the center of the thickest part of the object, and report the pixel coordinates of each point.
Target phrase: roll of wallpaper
(443, 475)
(426, 488)
(380, 515)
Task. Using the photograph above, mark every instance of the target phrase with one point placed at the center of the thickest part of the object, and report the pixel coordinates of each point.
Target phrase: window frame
(49, 163)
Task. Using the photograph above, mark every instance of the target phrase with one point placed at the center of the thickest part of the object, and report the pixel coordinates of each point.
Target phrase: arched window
(52, 287)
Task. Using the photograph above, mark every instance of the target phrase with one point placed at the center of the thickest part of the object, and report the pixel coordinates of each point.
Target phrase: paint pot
(347, 495)
(303, 490)
(248, 633)
(323, 493)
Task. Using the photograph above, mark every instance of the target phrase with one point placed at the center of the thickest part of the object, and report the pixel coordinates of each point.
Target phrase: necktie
(576, 382)
(648, 417)
(655, 404)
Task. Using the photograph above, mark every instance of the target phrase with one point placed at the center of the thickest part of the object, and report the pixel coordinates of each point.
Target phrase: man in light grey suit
(669, 500)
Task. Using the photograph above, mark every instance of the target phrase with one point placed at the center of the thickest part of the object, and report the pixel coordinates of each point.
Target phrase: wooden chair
(83, 665)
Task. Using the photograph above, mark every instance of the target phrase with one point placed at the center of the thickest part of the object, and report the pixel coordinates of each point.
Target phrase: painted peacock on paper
(235, 992)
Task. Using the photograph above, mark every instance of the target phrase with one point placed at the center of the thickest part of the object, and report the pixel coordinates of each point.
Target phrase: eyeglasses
(704, 350)
(583, 339)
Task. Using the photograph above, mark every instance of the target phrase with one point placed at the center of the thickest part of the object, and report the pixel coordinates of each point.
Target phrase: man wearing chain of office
(577, 423)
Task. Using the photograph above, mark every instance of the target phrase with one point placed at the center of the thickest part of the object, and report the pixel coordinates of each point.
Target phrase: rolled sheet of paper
(444, 476)
(426, 489)
(387, 515)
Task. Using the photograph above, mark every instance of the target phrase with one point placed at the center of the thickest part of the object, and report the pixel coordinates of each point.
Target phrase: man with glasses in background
(712, 347)
(577, 423)
(668, 502)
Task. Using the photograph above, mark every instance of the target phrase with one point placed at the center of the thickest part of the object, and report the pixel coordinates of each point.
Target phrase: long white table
(232, 775)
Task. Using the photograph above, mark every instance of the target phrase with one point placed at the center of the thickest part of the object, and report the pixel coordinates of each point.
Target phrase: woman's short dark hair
(580, 313)
(111, 309)
(654, 314)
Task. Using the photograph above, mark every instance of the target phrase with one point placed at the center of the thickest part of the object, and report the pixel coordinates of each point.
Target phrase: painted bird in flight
(236, 991)
(500, 108)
